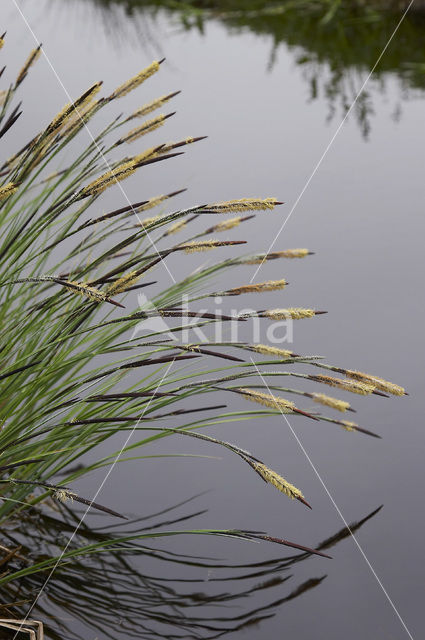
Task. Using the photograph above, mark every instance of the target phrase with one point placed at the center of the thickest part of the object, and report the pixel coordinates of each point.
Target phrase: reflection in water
(334, 51)
(106, 593)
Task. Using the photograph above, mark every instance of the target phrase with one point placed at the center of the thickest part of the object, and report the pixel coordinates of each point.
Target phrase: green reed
(72, 376)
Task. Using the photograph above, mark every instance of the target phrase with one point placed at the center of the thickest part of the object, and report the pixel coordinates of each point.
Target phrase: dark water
(270, 98)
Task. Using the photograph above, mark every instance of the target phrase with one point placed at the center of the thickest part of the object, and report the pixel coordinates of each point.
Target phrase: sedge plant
(74, 370)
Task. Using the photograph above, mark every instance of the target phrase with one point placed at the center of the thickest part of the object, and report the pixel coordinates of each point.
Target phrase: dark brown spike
(173, 94)
(207, 352)
(152, 160)
(123, 396)
(18, 370)
(367, 432)
(14, 465)
(128, 207)
(195, 314)
(304, 501)
(304, 413)
(294, 545)
(10, 122)
(182, 143)
(98, 506)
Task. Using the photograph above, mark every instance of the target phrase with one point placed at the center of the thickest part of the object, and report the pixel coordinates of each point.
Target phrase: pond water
(271, 98)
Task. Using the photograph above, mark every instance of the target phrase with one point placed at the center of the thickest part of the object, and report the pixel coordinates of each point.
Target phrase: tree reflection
(335, 52)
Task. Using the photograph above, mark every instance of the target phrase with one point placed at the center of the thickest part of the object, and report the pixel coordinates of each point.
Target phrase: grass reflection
(143, 591)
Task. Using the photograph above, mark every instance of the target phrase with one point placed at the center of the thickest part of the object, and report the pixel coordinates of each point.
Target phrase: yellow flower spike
(378, 383)
(273, 478)
(122, 284)
(295, 313)
(274, 402)
(176, 227)
(288, 253)
(271, 351)
(148, 221)
(225, 225)
(293, 253)
(135, 81)
(86, 291)
(151, 203)
(79, 118)
(204, 245)
(63, 495)
(152, 152)
(362, 388)
(71, 109)
(244, 204)
(107, 179)
(9, 189)
(147, 108)
(268, 400)
(349, 426)
(146, 127)
(271, 285)
(32, 59)
(328, 401)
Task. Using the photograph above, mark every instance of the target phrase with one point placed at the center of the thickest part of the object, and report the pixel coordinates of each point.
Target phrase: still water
(271, 98)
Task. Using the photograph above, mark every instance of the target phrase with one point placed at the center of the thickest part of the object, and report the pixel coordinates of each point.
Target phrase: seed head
(271, 351)
(244, 204)
(378, 383)
(135, 81)
(273, 478)
(295, 313)
(146, 127)
(148, 221)
(349, 426)
(32, 58)
(123, 283)
(176, 227)
(362, 388)
(107, 179)
(328, 401)
(151, 106)
(225, 225)
(268, 400)
(203, 245)
(64, 494)
(7, 190)
(271, 285)
(288, 253)
(86, 291)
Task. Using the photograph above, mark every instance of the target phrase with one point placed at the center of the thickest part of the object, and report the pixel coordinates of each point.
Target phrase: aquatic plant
(74, 369)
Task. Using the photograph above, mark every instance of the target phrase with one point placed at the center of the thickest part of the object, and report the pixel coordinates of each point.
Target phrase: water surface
(267, 118)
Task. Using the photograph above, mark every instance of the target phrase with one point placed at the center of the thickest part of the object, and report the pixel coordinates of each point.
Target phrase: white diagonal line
(332, 140)
(99, 150)
(111, 468)
(322, 482)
